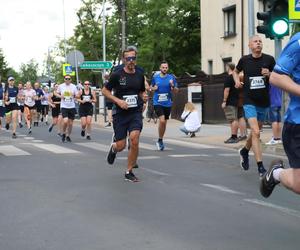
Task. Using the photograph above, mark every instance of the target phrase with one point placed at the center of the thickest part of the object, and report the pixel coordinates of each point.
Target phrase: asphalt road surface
(64, 196)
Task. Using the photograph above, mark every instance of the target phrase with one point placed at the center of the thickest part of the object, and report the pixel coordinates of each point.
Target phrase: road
(191, 196)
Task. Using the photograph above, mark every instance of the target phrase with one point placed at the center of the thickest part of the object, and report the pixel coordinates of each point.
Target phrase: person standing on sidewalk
(129, 97)
(275, 114)
(256, 68)
(163, 84)
(68, 92)
(233, 113)
(286, 75)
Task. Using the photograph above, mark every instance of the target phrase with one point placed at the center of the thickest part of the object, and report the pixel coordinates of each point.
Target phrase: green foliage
(29, 71)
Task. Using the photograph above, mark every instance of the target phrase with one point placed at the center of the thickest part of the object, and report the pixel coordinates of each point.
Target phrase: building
(225, 32)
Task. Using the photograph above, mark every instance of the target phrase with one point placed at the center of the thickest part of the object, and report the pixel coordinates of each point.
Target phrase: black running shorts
(162, 111)
(291, 143)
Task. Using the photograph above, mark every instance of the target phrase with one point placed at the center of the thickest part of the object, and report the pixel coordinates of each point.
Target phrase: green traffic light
(280, 27)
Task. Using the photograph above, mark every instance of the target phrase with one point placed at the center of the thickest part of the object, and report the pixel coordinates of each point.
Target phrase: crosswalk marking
(9, 150)
(54, 148)
(189, 144)
(94, 145)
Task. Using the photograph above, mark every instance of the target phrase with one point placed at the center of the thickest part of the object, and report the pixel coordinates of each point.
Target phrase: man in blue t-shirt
(286, 75)
(163, 84)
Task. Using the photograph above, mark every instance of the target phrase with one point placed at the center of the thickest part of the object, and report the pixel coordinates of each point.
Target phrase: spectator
(190, 116)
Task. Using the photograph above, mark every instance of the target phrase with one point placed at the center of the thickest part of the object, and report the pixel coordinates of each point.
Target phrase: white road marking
(54, 148)
(189, 155)
(189, 144)
(285, 210)
(221, 188)
(232, 154)
(37, 141)
(28, 138)
(94, 145)
(156, 172)
(141, 157)
(151, 146)
(10, 150)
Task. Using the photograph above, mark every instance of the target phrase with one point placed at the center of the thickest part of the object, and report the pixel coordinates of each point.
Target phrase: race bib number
(86, 98)
(1, 103)
(29, 99)
(131, 100)
(257, 82)
(163, 97)
(68, 99)
(12, 99)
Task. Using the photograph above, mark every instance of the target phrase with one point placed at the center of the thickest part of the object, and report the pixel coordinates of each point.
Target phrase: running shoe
(268, 182)
(29, 131)
(14, 136)
(20, 125)
(261, 171)
(82, 133)
(231, 140)
(244, 159)
(273, 142)
(129, 176)
(88, 137)
(135, 166)
(50, 128)
(192, 134)
(160, 145)
(63, 138)
(242, 138)
(111, 155)
(7, 126)
(108, 125)
(68, 139)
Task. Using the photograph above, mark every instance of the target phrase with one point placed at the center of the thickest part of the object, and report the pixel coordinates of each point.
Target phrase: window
(210, 67)
(229, 21)
(225, 61)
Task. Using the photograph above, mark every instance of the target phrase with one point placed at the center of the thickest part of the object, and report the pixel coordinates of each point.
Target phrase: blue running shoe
(160, 145)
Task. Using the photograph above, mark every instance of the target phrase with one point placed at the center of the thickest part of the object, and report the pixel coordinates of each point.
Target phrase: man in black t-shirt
(129, 96)
(233, 113)
(256, 68)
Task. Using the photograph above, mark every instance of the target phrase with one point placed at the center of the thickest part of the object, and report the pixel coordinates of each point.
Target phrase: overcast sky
(29, 27)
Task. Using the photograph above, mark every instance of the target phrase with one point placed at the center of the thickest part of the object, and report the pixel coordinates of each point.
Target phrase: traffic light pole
(278, 46)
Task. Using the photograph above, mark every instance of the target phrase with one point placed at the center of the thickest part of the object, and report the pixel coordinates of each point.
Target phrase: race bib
(131, 100)
(257, 82)
(86, 98)
(68, 99)
(163, 97)
(1, 103)
(12, 99)
(29, 99)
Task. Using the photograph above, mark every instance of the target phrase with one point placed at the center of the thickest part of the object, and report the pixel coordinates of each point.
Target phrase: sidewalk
(209, 134)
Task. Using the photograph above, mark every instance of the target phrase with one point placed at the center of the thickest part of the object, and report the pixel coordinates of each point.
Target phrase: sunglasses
(130, 58)
(67, 78)
(86, 84)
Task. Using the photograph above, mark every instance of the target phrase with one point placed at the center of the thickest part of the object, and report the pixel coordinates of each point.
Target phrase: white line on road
(229, 154)
(150, 157)
(189, 144)
(150, 146)
(189, 155)
(12, 151)
(286, 210)
(28, 138)
(54, 148)
(156, 172)
(222, 188)
(94, 145)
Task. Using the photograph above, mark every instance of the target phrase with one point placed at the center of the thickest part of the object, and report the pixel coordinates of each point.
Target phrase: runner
(87, 97)
(256, 67)
(129, 96)
(45, 105)
(21, 104)
(2, 104)
(67, 91)
(38, 103)
(286, 75)
(29, 96)
(54, 102)
(163, 84)
(11, 105)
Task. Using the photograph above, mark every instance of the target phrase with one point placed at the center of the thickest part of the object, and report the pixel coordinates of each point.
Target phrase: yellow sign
(67, 70)
(294, 10)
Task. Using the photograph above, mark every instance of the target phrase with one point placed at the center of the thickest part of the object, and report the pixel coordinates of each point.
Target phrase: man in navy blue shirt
(286, 75)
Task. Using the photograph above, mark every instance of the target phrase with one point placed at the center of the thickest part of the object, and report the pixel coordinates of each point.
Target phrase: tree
(28, 72)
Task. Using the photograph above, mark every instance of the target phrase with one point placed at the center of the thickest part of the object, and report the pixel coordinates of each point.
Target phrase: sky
(29, 27)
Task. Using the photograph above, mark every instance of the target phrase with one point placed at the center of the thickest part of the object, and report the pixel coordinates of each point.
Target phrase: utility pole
(251, 25)
(123, 11)
(64, 19)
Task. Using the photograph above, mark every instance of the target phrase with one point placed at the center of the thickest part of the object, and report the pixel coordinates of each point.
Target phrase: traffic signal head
(275, 20)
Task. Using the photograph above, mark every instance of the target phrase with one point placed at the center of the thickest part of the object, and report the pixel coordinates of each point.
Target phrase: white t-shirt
(68, 93)
(29, 95)
(192, 122)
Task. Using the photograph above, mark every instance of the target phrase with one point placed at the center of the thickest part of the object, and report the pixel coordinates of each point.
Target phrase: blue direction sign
(96, 65)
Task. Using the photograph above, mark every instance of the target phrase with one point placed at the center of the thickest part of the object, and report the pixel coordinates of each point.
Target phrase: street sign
(294, 10)
(67, 70)
(75, 57)
(96, 65)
